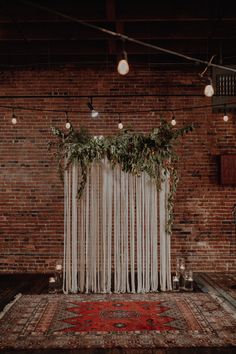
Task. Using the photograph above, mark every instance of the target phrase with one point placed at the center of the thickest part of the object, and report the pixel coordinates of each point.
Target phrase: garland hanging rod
(127, 38)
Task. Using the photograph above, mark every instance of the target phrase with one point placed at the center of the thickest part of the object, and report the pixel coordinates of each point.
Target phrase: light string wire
(154, 110)
(127, 38)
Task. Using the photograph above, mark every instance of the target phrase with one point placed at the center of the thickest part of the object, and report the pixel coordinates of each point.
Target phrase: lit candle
(58, 267)
(52, 280)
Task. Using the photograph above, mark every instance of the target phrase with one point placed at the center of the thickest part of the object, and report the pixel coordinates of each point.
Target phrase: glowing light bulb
(94, 113)
(68, 125)
(123, 67)
(225, 118)
(14, 120)
(173, 122)
(120, 125)
(209, 90)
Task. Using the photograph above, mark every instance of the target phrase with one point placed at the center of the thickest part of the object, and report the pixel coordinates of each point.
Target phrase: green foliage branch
(134, 152)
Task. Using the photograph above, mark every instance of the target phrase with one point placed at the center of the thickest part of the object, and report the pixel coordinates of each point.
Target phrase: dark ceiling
(29, 35)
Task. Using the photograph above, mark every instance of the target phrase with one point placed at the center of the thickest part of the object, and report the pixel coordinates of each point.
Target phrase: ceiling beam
(100, 47)
(111, 16)
(131, 10)
(146, 31)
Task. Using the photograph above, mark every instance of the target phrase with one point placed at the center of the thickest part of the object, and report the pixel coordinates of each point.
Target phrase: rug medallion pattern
(127, 320)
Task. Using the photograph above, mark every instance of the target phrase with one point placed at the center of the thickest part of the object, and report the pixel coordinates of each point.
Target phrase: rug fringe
(9, 305)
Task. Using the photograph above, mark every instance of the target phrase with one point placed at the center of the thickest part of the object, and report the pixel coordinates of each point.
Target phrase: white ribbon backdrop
(115, 237)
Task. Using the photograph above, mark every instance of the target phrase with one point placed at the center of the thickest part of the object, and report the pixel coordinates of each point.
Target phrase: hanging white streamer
(109, 226)
(168, 236)
(81, 243)
(74, 249)
(115, 231)
(132, 232)
(165, 271)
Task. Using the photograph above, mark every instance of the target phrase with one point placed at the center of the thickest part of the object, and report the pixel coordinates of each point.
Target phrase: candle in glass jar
(58, 267)
(175, 283)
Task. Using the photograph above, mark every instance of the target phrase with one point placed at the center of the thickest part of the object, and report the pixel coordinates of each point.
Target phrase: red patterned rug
(119, 316)
(127, 320)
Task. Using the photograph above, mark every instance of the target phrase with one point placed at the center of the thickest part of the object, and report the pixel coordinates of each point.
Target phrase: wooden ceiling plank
(111, 16)
(144, 31)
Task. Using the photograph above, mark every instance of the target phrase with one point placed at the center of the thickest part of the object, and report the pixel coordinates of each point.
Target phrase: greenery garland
(134, 152)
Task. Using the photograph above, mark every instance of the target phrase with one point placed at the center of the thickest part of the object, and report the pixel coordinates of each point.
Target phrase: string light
(209, 89)
(225, 117)
(152, 112)
(173, 121)
(94, 112)
(68, 124)
(123, 65)
(120, 124)
(13, 119)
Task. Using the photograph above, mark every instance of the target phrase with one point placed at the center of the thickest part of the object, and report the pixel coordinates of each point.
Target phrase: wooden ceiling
(29, 35)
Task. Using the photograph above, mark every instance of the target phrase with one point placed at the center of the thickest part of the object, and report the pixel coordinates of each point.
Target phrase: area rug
(222, 283)
(110, 320)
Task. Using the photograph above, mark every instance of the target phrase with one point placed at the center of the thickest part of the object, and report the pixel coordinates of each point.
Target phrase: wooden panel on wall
(228, 170)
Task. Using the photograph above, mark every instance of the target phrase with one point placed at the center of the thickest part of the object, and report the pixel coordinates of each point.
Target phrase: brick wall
(31, 194)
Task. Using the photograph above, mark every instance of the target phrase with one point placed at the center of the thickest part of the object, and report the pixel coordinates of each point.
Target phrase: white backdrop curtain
(115, 237)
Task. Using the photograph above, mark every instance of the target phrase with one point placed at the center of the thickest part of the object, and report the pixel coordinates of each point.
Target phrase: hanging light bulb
(94, 112)
(209, 89)
(173, 121)
(123, 65)
(225, 116)
(120, 124)
(13, 119)
(68, 124)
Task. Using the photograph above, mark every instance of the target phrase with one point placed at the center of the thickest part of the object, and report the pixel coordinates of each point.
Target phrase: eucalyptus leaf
(134, 152)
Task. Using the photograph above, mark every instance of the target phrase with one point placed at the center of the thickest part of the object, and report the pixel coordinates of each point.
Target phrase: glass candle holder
(182, 281)
(58, 267)
(52, 285)
(58, 276)
(188, 281)
(175, 283)
(180, 270)
(180, 264)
